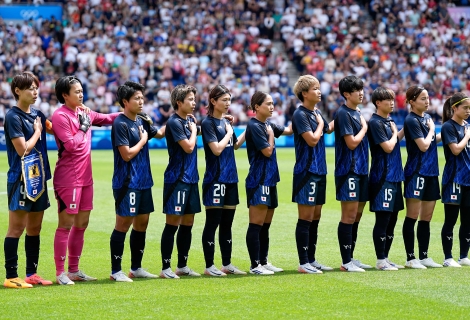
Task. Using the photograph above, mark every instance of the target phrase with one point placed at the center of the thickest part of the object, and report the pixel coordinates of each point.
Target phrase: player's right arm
(23, 147)
(303, 127)
(217, 146)
(64, 132)
(177, 130)
(450, 138)
(352, 141)
(422, 143)
(128, 153)
(389, 145)
(261, 142)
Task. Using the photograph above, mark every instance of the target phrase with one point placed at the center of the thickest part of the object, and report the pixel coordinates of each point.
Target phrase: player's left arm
(101, 119)
(288, 130)
(240, 141)
(160, 133)
(331, 127)
(438, 138)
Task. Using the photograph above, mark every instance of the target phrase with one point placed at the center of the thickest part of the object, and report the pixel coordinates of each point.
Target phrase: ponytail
(447, 111)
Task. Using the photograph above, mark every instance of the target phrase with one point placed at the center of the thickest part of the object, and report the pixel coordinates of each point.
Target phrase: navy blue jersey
(136, 173)
(181, 165)
(424, 163)
(312, 159)
(223, 167)
(20, 124)
(457, 167)
(385, 166)
(263, 170)
(348, 122)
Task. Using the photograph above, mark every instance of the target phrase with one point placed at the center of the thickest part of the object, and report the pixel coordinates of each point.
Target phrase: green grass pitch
(432, 293)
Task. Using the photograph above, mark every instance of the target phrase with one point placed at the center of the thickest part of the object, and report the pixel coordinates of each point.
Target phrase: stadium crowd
(162, 44)
(396, 45)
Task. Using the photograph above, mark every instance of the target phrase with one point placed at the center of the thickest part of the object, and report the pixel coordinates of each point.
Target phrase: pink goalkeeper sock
(60, 249)
(76, 240)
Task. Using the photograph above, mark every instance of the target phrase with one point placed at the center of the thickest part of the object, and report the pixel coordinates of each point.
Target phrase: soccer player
(309, 182)
(421, 177)
(455, 178)
(220, 184)
(73, 181)
(352, 162)
(386, 175)
(25, 133)
(132, 180)
(180, 191)
(263, 175)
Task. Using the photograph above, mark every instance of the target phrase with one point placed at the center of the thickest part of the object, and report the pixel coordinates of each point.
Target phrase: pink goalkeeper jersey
(73, 168)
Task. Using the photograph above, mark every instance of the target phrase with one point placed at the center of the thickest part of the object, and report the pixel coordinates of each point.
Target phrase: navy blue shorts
(17, 199)
(352, 187)
(451, 193)
(309, 189)
(220, 194)
(422, 188)
(181, 198)
(386, 197)
(131, 202)
(262, 195)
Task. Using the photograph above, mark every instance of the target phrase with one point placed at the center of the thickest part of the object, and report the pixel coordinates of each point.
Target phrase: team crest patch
(21, 203)
(311, 199)
(453, 197)
(132, 210)
(385, 204)
(416, 193)
(73, 206)
(178, 209)
(263, 198)
(216, 200)
(352, 194)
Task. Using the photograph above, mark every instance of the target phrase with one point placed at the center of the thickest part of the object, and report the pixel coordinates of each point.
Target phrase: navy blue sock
(264, 243)
(301, 238)
(166, 245)
(252, 243)
(355, 227)
(423, 233)
(312, 240)
(464, 232)
(345, 241)
(390, 232)
(409, 237)
(213, 217)
(31, 247)
(10, 247)
(116, 244)
(137, 244)
(225, 235)
(183, 243)
(379, 234)
(451, 213)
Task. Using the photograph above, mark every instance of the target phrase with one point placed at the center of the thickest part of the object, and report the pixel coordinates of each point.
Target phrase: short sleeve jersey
(136, 173)
(385, 166)
(311, 159)
(424, 163)
(263, 170)
(348, 122)
(220, 168)
(182, 166)
(457, 167)
(20, 124)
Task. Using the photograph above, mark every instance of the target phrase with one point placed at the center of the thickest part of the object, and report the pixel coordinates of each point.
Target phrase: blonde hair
(303, 84)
